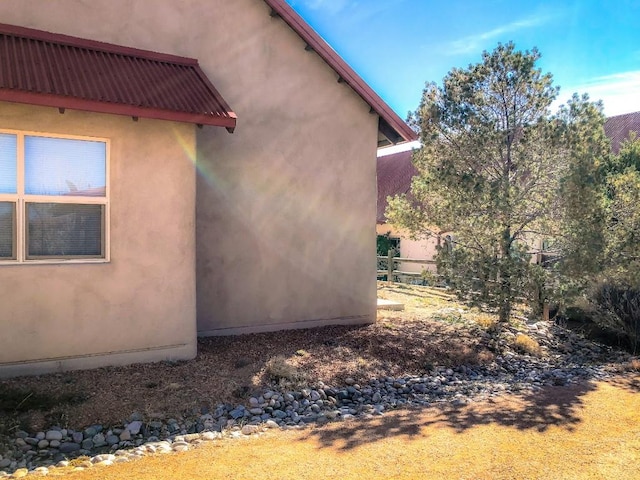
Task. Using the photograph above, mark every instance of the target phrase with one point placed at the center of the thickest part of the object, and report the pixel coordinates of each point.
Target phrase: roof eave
(344, 71)
(47, 100)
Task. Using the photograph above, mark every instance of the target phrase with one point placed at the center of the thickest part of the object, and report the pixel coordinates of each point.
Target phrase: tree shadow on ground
(629, 382)
(558, 406)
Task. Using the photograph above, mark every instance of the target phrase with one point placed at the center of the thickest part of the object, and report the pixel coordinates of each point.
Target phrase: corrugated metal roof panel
(48, 69)
(618, 128)
(395, 173)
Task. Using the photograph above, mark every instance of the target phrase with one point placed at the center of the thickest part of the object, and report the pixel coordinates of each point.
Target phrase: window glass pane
(8, 163)
(64, 230)
(7, 230)
(61, 166)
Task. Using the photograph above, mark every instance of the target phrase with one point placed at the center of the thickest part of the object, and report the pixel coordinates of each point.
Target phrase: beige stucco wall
(141, 305)
(286, 208)
(287, 204)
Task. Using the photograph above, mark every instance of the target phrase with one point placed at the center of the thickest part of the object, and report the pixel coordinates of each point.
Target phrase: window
(385, 243)
(53, 198)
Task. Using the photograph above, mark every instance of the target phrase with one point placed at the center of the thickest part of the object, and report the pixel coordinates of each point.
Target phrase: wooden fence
(391, 272)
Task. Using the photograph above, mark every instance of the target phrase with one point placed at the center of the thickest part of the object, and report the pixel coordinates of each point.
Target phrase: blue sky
(590, 46)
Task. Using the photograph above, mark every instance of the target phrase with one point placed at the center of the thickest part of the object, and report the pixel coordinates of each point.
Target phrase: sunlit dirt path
(588, 431)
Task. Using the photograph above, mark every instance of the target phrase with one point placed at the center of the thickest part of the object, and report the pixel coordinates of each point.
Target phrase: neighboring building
(395, 172)
(619, 127)
(159, 231)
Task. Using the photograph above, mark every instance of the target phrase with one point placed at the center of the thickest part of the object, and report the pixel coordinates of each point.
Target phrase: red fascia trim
(47, 100)
(93, 44)
(213, 89)
(322, 48)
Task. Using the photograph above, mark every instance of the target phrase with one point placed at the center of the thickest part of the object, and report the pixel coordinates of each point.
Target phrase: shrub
(632, 366)
(487, 321)
(282, 372)
(618, 308)
(526, 344)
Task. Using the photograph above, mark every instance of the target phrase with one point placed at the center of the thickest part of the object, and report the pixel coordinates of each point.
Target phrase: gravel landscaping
(288, 399)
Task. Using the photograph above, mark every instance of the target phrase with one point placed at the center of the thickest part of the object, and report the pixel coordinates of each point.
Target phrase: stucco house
(395, 172)
(140, 206)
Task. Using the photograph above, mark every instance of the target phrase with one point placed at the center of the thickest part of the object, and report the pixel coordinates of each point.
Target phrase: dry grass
(528, 345)
(280, 370)
(487, 321)
(631, 366)
(583, 432)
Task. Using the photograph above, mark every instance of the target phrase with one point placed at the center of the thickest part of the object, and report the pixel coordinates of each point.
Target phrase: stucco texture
(286, 205)
(140, 306)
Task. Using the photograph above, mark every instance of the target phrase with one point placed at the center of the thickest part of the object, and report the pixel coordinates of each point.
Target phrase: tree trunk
(504, 313)
(504, 272)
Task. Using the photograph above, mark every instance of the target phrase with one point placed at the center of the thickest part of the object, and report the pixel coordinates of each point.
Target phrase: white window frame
(20, 199)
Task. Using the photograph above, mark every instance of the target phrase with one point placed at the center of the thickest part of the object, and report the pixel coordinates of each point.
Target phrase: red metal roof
(394, 172)
(389, 120)
(617, 128)
(42, 68)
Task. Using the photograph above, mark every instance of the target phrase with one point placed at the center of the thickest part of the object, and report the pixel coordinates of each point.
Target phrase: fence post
(390, 266)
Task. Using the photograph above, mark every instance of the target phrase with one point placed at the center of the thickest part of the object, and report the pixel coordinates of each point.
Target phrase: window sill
(52, 261)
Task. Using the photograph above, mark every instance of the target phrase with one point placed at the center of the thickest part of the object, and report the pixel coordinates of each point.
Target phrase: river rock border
(569, 358)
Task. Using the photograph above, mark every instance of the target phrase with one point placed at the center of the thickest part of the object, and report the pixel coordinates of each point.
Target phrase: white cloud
(474, 43)
(620, 92)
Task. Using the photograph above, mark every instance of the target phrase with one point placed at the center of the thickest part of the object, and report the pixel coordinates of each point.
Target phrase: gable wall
(140, 306)
(286, 205)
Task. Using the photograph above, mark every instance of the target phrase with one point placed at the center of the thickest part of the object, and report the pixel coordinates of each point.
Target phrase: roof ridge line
(88, 44)
(342, 68)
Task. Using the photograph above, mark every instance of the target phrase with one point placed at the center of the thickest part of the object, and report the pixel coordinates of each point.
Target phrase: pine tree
(498, 170)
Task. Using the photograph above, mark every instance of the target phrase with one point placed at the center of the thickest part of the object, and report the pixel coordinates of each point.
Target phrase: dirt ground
(587, 431)
(228, 369)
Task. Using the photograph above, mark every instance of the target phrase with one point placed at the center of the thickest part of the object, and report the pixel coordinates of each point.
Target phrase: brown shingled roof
(394, 172)
(390, 124)
(617, 128)
(42, 68)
